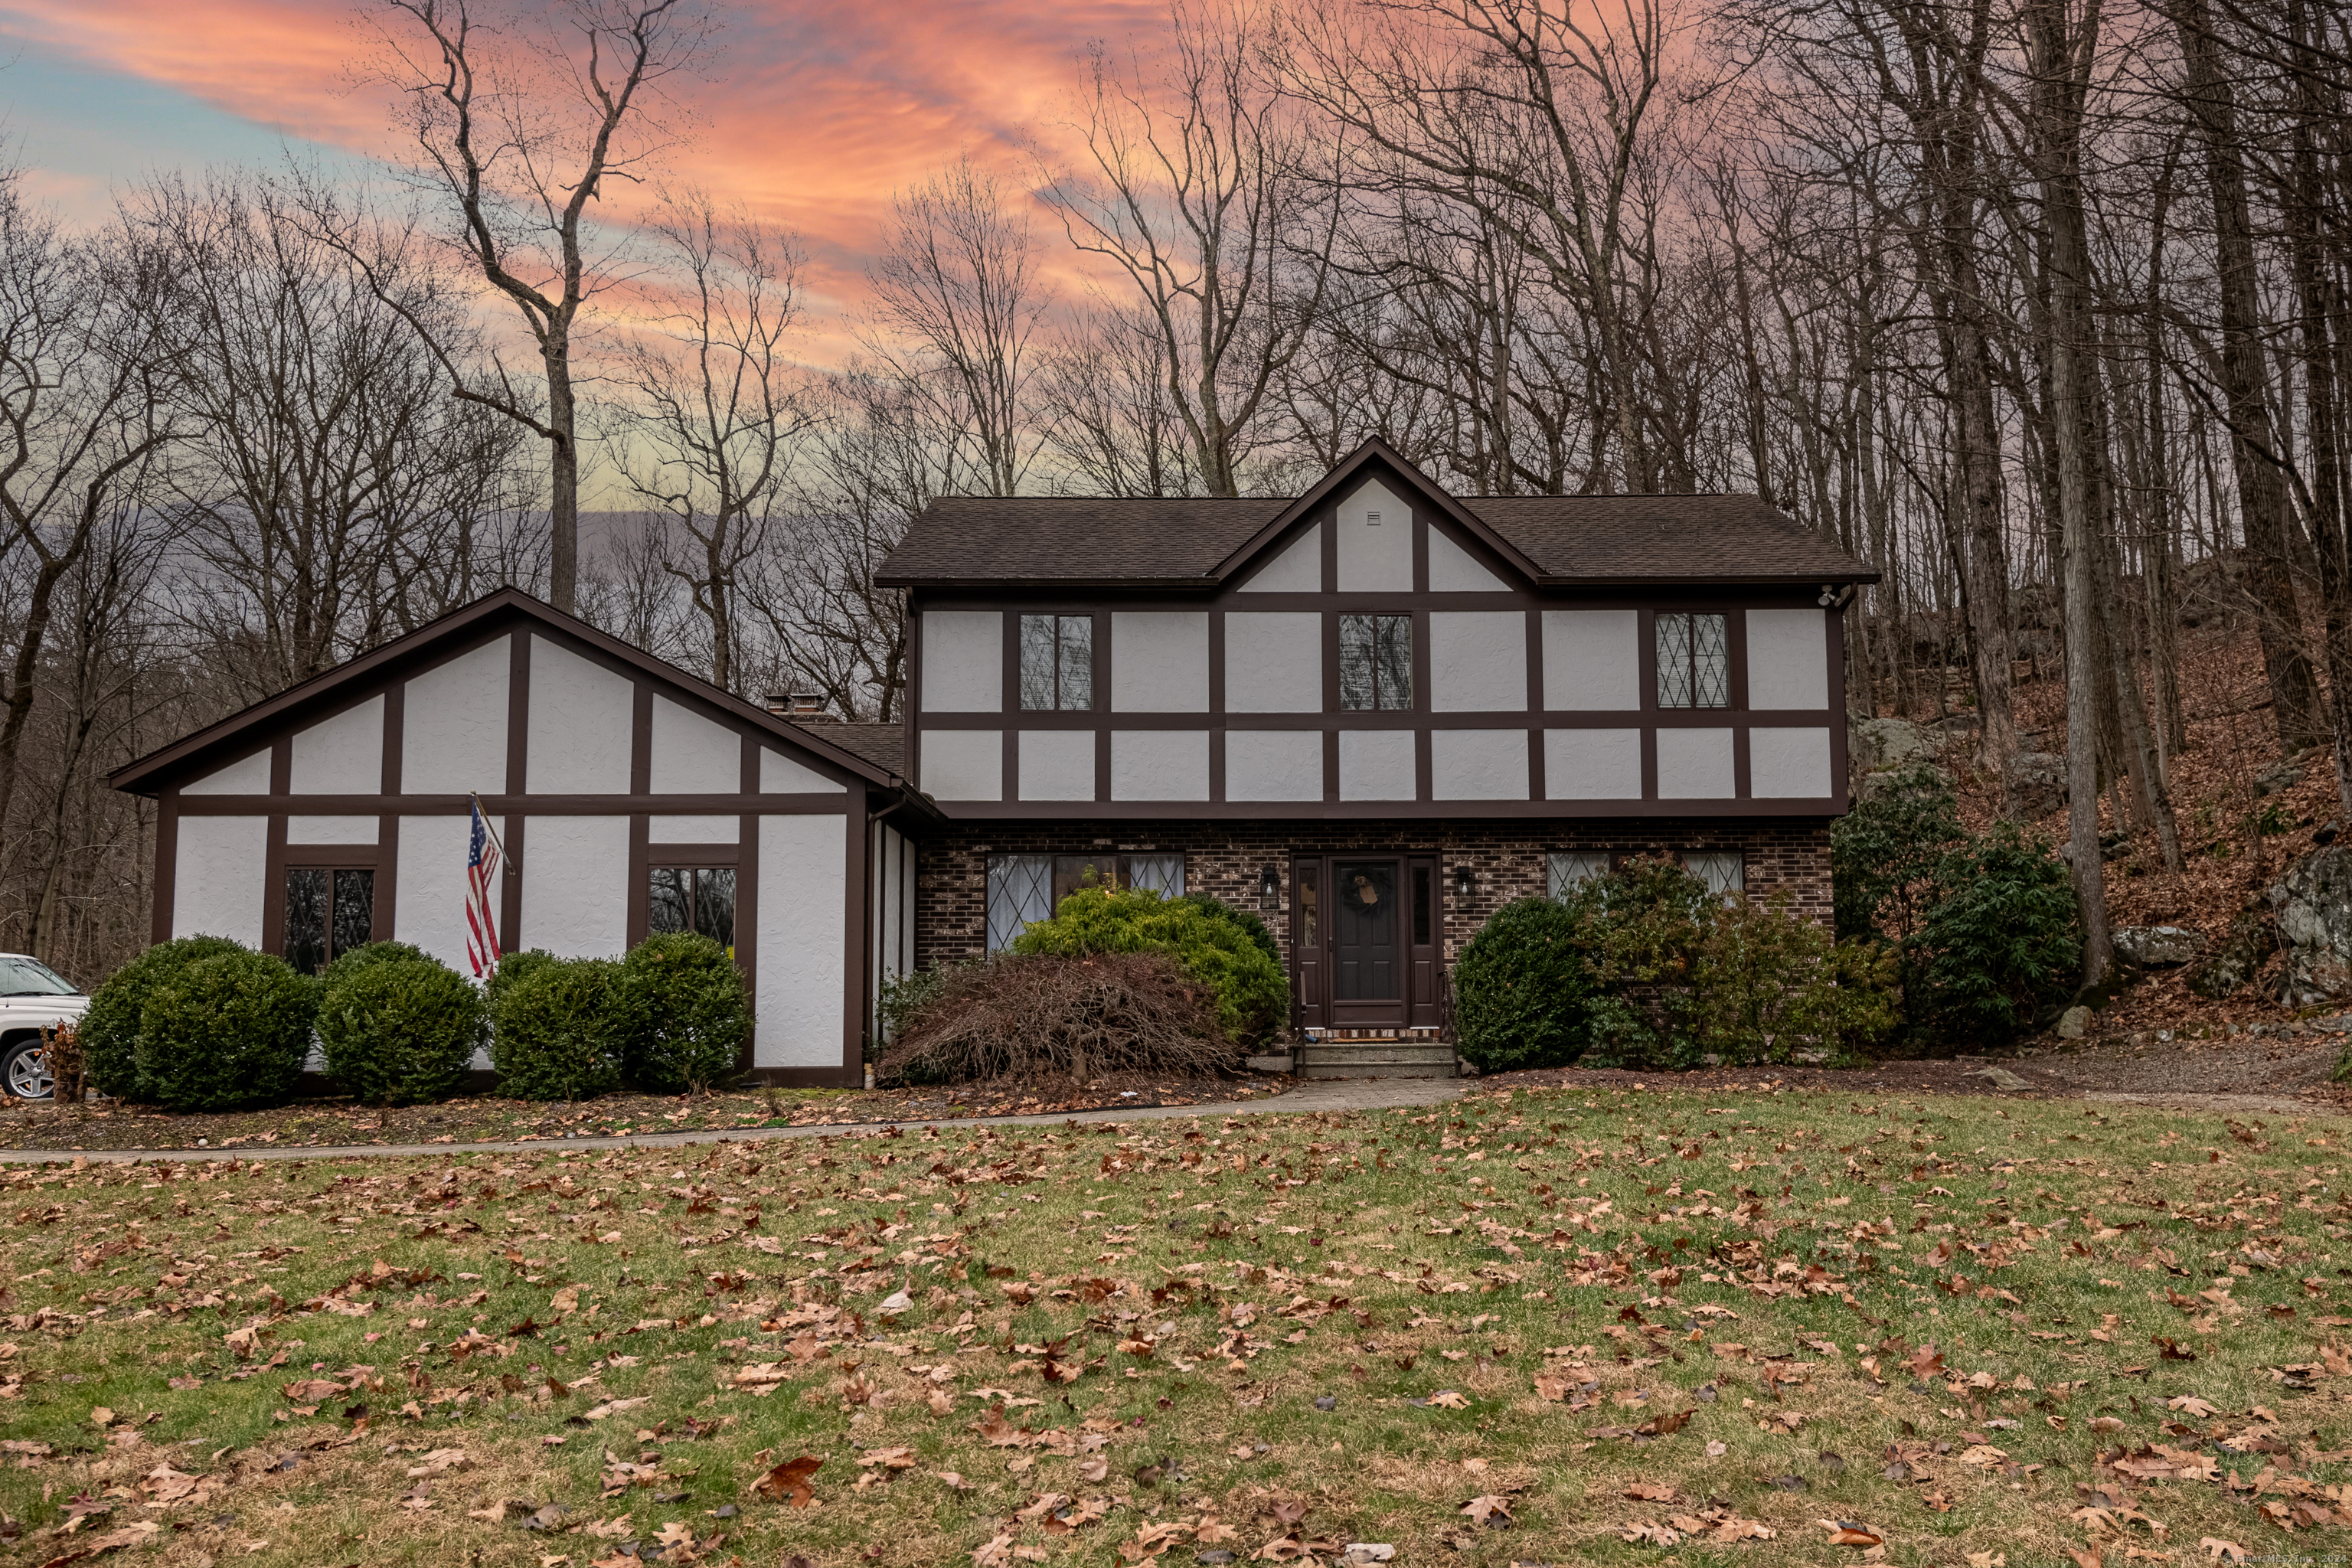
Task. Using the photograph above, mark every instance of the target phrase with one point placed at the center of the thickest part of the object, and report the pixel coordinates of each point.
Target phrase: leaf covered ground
(1538, 1326)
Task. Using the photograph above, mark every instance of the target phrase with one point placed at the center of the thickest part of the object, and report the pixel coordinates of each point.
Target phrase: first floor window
(1566, 870)
(1724, 872)
(1693, 660)
(698, 899)
(328, 911)
(1376, 662)
(1057, 663)
(1025, 888)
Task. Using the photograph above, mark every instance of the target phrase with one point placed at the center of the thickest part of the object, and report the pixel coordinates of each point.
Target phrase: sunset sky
(817, 109)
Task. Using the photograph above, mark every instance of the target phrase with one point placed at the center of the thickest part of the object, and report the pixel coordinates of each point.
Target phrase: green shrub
(1253, 994)
(511, 970)
(904, 999)
(1521, 989)
(556, 1028)
(2001, 945)
(228, 1030)
(109, 1030)
(370, 953)
(1642, 924)
(395, 1030)
(1884, 854)
(1253, 927)
(1765, 984)
(686, 1013)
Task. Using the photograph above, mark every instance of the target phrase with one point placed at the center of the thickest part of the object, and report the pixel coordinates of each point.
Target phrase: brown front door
(1365, 938)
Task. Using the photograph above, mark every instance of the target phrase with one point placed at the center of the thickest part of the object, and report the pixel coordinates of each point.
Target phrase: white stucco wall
(246, 775)
(1453, 569)
(218, 871)
(1478, 764)
(1592, 764)
(1695, 764)
(697, 828)
(1295, 568)
(575, 885)
(1056, 764)
(1788, 659)
(1159, 765)
(781, 774)
(693, 755)
(330, 829)
(1274, 662)
(453, 724)
(1788, 764)
(1375, 557)
(1377, 764)
(1477, 661)
(429, 897)
(341, 755)
(963, 764)
(804, 943)
(1592, 660)
(1274, 765)
(1160, 661)
(582, 718)
(963, 661)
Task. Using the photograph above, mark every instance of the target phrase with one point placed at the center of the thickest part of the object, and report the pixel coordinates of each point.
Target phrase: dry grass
(1541, 1327)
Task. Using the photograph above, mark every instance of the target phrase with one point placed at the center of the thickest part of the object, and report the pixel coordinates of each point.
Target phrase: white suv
(32, 997)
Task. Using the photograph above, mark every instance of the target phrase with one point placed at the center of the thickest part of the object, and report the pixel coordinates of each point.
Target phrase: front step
(1374, 1058)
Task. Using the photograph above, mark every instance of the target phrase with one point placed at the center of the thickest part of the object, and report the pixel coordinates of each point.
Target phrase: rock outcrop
(2312, 905)
(2158, 947)
(2034, 784)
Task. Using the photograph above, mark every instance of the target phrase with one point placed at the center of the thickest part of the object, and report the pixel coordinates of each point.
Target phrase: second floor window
(1057, 663)
(1693, 660)
(1375, 662)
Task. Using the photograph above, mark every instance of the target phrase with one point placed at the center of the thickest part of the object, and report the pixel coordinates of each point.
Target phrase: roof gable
(1373, 463)
(438, 643)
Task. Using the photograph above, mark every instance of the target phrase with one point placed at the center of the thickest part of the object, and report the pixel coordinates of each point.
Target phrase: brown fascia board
(1857, 573)
(1373, 450)
(153, 771)
(1073, 585)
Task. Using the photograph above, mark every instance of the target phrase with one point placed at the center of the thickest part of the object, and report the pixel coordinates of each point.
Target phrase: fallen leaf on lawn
(1447, 1399)
(1843, 1533)
(790, 1480)
(953, 1480)
(2222, 1550)
(891, 1458)
(2191, 1405)
(1490, 1511)
(1648, 1491)
(1656, 1534)
(1988, 1559)
(437, 1461)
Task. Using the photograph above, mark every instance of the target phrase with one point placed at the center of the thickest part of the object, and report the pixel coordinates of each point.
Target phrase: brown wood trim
(658, 854)
(1833, 624)
(808, 1078)
(1326, 493)
(350, 855)
(167, 864)
(641, 738)
(510, 880)
(640, 915)
(746, 902)
(855, 833)
(518, 777)
(387, 877)
(1216, 705)
(273, 887)
(538, 805)
(1394, 719)
(1061, 812)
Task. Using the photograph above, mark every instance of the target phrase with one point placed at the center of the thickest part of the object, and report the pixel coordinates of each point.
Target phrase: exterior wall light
(1462, 879)
(1269, 887)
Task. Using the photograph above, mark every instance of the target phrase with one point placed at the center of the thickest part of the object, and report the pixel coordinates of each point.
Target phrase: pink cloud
(813, 112)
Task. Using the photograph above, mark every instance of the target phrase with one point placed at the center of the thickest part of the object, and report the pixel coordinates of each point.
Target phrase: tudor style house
(1374, 713)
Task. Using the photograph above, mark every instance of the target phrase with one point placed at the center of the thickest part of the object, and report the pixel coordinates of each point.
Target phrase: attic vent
(1372, 518)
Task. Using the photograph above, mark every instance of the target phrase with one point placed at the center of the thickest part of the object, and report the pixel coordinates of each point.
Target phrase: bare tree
(957, 301)
(85, 416)
(1197, 196)
(518, 124)
(706, 437)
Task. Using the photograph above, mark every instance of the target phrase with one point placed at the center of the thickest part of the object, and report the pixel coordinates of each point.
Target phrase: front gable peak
(1375, 502)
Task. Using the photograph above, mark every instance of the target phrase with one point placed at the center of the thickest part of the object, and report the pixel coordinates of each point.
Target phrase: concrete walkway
(1324, 1094)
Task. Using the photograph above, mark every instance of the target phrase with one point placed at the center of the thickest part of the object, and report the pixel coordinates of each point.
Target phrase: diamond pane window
(1019, 890)
(1724, 872)
(1376, 663)
(1693, 660)
(1567, 871)
(1057, 663)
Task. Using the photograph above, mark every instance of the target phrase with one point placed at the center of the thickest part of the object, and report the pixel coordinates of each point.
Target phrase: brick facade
(1506, 860)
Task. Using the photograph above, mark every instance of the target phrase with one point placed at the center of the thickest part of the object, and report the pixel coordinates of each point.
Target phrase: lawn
(1747, 1325)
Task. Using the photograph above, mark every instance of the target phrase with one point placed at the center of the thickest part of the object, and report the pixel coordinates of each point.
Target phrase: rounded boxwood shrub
(511, 971)
(1252, 994)
(224, 1031)
(395, 1030)
(1247, 919)
(370, 953)
(2001, 946)
(109, 1030)
(687, 1014)
(556, 1028)
(1521, 989)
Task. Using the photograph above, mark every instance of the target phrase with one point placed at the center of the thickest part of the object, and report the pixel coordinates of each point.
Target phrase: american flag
(481, 877)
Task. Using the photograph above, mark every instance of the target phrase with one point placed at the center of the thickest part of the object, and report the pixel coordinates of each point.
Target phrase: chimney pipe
(801, 705)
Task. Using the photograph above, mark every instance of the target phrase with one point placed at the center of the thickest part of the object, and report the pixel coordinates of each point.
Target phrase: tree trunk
(2263, 499)
(563, 475)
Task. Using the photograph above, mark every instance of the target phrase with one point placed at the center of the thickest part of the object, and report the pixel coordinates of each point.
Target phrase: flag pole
(512, 867)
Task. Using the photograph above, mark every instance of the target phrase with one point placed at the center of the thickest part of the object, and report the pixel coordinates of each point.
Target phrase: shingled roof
(1127, 542)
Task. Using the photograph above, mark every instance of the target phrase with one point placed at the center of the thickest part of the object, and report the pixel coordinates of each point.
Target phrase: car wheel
(25, 1070)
